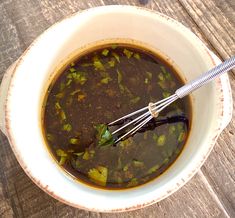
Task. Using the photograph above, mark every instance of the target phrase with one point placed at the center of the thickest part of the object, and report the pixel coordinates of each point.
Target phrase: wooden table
(211, 192)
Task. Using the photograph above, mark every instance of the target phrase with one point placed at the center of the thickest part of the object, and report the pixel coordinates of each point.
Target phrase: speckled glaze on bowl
(22, 90)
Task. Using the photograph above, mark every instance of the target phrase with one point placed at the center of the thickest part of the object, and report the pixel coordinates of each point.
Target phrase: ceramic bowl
(25, 83)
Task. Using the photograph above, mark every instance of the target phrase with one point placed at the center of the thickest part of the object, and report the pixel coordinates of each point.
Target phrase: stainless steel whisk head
(153, 109)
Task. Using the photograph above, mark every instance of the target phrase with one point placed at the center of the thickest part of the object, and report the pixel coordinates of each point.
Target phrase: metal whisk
(153, 109)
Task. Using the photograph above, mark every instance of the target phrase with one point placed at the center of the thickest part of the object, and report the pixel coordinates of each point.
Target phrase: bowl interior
(63, 39)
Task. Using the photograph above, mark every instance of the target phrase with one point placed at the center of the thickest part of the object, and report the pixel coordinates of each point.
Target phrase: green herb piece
(135, 100)
(128, 53)
(137, 163)
(122, 88)
(119, 76)
(146, 80)
(153, 169)
(61, 153)
(106, 80)
(99, 175)
(69, 82)
(62, 160)
(63, 156)
(60, 95)
(62, 115)
(103, 135)
(105, 52)
(166, 94)
(119, 180)
(162, 84)
(86, 65)
(81, 79)
(79, 154)
(161, 140)
(112, 63)
(72, 69)
(137, 56)
(145, 135)
(78, 77)
(81, 97)
(72, 64)
(114, 46)
(167, 74)
(155, 137)
(86, 155)
(169, 152)
(149, 75)
(50, 137)
(67, 127)
(163, 69)
(179, 127)
(125, 90)
(125, 168)
(177, 151)
(172, 129)
(161, 77)
(166, 160)
(69, 101)
(62, 86)
(73, 141)
(181, 137)
(133, 182)
(75, 92)
(116, 56)
(97, 63)
(57, 106)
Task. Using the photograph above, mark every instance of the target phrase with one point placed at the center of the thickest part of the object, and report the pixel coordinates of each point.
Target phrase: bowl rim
(214, 59)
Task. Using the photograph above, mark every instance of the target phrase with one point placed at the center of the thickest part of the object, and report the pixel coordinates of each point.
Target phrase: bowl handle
(227, 95)
(3, 95)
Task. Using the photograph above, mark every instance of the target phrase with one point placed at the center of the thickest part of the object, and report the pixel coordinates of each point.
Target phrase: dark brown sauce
(99, 87)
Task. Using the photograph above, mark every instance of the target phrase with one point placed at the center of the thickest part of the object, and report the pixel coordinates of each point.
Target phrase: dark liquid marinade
(99, 87)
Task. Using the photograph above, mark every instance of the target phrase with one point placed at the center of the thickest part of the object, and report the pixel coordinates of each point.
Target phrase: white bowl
(25, 82)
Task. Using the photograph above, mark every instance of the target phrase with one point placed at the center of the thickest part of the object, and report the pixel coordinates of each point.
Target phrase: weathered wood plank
(218, 28)
(206, 195)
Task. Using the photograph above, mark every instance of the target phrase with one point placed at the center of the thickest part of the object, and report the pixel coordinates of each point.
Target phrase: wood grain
(211, 193)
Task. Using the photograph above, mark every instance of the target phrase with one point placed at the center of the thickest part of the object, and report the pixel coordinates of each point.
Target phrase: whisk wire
(155, 108)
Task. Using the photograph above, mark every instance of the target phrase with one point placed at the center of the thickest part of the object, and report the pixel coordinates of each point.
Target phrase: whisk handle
(206, 77)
